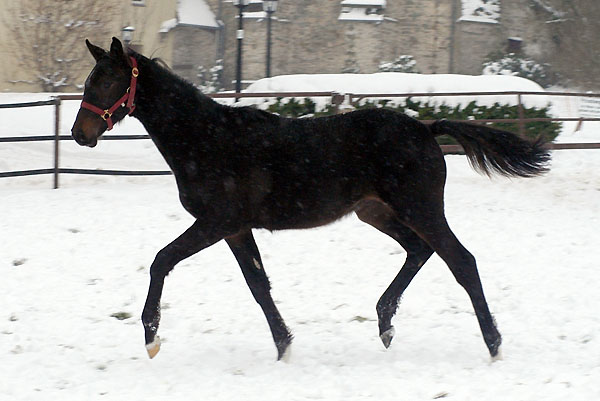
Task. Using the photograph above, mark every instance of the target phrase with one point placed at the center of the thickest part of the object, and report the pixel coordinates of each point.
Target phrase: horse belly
(308, 206)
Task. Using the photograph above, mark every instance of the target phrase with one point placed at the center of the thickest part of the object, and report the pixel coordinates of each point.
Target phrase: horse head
(108, 94)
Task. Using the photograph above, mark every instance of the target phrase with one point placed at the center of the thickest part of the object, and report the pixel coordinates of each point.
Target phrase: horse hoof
(283, 348)
(386, 336)
(153, 347)
(287, 354)
(498, 356)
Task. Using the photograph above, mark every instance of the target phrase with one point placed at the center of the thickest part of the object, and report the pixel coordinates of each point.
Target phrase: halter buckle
(107, 114)
(135, 72)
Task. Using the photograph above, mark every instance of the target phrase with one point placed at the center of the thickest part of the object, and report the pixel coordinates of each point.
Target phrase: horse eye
(107, 85)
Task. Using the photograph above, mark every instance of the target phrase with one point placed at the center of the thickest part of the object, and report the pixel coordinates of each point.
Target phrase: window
(514, 44)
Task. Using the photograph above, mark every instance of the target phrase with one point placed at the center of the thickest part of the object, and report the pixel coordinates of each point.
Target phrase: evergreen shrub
(426, 111)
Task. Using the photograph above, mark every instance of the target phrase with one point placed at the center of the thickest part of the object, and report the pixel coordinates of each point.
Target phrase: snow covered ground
(72, 259)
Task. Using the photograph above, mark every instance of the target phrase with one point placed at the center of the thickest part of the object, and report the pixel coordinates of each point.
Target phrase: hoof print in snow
(121, 315)
(360, 319)
(19, 262)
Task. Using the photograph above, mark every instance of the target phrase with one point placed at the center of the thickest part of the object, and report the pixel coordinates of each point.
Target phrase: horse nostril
(79, 137)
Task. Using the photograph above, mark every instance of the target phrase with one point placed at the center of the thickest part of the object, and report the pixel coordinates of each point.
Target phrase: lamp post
(269, 6)
(127, 34)
(240, 4)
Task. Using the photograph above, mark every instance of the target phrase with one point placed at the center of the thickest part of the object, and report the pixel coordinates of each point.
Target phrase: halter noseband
(129, 96)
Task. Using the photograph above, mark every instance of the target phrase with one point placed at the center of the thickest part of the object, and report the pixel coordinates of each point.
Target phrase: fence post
(521, 116)
(57, 102)
(336, 100)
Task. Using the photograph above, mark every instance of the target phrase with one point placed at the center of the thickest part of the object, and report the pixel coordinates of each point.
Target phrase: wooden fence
(337, 99)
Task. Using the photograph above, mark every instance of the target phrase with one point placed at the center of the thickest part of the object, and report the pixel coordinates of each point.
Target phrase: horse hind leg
(418, 252)
(246, 253)
(429, 222)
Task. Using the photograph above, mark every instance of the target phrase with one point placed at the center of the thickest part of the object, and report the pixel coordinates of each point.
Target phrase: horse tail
(491, 150)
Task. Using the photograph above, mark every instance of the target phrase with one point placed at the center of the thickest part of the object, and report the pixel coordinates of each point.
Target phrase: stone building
(333, 36)
(443, 36)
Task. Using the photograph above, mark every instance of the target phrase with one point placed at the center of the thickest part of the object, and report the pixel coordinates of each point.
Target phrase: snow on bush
(404, 63)
(210, 81)
(518, 66)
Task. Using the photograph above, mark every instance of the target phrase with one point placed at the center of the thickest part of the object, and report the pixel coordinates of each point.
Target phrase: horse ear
(116, 49)
(97, 52)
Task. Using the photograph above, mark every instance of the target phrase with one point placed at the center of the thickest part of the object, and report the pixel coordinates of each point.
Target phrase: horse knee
(163, 263)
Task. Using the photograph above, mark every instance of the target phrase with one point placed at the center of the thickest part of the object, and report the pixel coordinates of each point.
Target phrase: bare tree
(47, 37)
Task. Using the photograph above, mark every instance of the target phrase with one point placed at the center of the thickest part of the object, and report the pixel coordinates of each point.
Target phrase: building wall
(307, 37)
(147, 21)
(193, 47)
(473, 42)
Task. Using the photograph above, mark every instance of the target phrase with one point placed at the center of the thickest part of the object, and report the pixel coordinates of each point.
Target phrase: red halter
(129, 96)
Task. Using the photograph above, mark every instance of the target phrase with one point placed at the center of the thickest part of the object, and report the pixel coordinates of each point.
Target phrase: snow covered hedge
(465, 107)
(428, 111)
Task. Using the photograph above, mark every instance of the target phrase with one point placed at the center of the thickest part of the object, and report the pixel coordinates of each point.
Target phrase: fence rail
(336, 99)
(29, 104)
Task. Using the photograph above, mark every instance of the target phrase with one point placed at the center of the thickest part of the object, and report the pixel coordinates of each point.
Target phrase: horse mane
(162, 63)
(165, 72)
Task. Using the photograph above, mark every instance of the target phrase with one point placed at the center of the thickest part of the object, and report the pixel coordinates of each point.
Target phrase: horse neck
(171, 110)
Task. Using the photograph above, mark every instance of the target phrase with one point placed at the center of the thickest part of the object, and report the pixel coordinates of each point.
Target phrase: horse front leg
(193, 240)
(246, 253)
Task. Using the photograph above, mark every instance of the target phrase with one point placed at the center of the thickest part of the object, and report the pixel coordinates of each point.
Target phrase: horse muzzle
(82, 139)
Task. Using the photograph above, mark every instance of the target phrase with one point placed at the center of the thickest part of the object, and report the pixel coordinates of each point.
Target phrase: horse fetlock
(493, 345)
(385, 312)
(492, 336)
(151, 339)
(151, 325)
(151, 321)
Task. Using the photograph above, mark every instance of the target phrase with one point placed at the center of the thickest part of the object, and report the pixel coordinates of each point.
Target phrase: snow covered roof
(359, 14)
(362, 10)
(195, 12)
(487, 11)
(367, 3)
(254, 14)
(167, 25)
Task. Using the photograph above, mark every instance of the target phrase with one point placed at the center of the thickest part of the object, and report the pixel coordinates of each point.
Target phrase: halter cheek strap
(125, 101)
